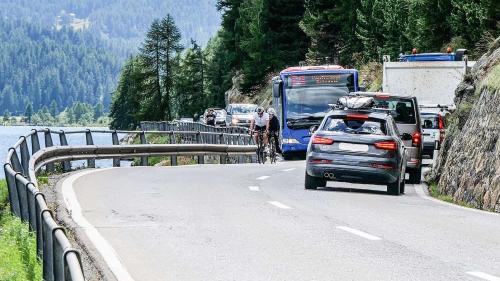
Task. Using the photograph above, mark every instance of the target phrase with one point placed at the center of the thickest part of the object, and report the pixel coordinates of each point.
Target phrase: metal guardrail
(189, 126)
(60, 260)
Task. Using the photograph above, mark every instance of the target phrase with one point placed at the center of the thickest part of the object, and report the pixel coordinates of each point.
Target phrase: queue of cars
(376, 143)
(236, 114)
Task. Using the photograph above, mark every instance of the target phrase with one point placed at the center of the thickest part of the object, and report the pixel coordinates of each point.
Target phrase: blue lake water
(9, 135)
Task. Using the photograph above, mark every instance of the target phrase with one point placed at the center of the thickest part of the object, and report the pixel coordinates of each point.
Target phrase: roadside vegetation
(18, 259)
(434, 192)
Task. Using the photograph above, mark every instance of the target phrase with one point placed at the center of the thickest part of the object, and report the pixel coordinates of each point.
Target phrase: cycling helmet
(271, 111)
(260, 109)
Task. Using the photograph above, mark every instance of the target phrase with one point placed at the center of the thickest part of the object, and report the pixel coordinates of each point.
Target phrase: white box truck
(432, 78)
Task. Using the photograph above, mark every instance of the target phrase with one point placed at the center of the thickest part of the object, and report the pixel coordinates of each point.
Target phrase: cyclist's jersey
(260, 128)
(260, 121)
(274, 124)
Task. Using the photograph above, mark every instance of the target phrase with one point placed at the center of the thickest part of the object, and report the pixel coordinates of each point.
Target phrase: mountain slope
(40, 65)
(123, 21)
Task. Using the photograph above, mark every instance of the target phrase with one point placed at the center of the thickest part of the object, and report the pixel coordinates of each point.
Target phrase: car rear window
(350, 126)
(403, 109)
(429, 121)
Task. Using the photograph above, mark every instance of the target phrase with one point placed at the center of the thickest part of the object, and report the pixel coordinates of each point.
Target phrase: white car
(433, 126)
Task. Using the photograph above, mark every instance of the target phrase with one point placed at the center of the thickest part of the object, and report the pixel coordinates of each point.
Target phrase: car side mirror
(277, 83)
(406, 136)
(313, 129)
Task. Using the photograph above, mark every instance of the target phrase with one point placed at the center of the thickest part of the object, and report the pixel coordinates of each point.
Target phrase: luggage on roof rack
(356, 102)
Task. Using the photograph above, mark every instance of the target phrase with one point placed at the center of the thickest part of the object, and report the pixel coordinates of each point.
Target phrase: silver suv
(407, 116)
(240, 114)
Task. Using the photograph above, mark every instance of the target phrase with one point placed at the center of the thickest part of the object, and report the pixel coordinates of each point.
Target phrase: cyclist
(274, 128)
(260, 123)
(210, 117)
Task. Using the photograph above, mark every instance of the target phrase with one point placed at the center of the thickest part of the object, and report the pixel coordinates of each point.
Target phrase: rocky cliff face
(468, 166)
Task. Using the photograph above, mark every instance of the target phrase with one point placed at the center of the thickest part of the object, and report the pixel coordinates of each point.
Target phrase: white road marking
(254, 188)
(105, 249)
(288, 170)
(263, 178)
(279, 204)
(483, 275)
(359, 233)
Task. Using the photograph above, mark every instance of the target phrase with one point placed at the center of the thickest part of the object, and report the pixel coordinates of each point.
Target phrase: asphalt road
(254, 222)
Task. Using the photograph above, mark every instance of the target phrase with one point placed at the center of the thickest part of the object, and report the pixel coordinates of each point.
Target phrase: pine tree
(98, 110)
(151, 57)
(158, 55)
(170, 48)
(53, 109)
(125, 108)
(28, 113)
(190, 82)
(329, 24)
(218, 71)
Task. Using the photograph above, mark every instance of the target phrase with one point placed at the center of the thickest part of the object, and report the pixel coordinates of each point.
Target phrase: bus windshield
(308, 96)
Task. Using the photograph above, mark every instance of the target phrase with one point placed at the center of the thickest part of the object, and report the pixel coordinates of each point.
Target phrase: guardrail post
(114, 137)
(64, 142)
(48, 255)
(38, 211)
(35, 142)
(48, 143)
(13, 196)
(22, 195)
(31, 191)
(221, 138)
(25, 156)
(58, 253)
(144, 159)
(90, 141)
(223, 158)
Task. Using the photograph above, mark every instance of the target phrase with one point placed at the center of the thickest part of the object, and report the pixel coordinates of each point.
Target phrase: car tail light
(382, 96)
(321, 140)
(440, 122)
(382, 166)
(320, 161)
(416, 139)
(441, 127)
(357, 117)
(386, 145)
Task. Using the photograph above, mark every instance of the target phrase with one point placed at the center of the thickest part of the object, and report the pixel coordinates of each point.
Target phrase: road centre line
(263, 177)
(359, 233)
(288, 170)
(102, 246)
(279, 204)
(483, 275)
(254, 188)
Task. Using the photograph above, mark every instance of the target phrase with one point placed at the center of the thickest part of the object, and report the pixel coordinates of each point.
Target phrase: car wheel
(402, 187)
(287, 156)
(394, 188)
(415, 175)
(314, 182)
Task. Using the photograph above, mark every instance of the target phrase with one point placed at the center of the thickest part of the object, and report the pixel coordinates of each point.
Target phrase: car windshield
(429, 121)
(403, 110)
(303, 103)
(243, 109)
(349, 126)
(219, 113)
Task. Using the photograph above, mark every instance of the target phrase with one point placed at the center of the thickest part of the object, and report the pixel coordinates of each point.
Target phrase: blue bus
(301, 96)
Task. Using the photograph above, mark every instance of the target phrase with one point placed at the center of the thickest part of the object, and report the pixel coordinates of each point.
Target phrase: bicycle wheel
(272, 150)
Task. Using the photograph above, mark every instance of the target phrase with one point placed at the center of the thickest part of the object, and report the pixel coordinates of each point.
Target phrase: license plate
(353, 147)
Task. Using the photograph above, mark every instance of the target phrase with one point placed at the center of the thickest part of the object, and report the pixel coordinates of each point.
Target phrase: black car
(358, 146)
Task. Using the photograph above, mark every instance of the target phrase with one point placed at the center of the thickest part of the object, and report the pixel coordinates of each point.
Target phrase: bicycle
(273, 156)
(261, 152)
